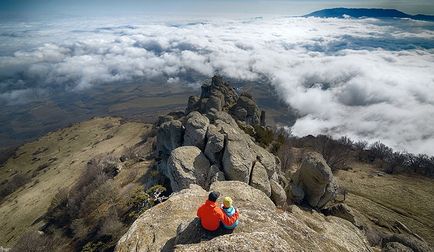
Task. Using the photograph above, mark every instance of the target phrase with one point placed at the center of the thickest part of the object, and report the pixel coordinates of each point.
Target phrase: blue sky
(28, 8)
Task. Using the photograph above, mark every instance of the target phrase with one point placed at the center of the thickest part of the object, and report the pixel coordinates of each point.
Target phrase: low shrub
(12, 185)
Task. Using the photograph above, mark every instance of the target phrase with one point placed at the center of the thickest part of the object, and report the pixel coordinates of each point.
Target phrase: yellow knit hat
(227, 202)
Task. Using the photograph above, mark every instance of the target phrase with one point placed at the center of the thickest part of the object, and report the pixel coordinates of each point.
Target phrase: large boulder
(246, 110)
(278, 194)
(195, 130)
(214, 102)
(171, 225)
(187, 165)
(193, 104)
(169, 136)
(215, 144)
(243, 160)
(214, 174)
(217, 95)
(238, 160)
(314, 181)
(259, 178)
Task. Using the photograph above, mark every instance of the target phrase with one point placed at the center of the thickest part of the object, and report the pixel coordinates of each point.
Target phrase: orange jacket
(210, 216)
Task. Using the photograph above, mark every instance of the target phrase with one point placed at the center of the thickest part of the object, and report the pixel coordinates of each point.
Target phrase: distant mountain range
(367, 13)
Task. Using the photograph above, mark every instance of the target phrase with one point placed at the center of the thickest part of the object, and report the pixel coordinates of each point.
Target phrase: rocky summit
(207, 143)
(208, 148)
(173, 226)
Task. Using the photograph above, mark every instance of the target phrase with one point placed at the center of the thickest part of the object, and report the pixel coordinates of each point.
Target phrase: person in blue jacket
(229, 210)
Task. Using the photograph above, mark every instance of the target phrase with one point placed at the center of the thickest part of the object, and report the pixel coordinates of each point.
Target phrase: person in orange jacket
(210, 214)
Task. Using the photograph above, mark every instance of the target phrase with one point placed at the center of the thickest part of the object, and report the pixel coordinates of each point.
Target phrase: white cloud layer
(367, 79)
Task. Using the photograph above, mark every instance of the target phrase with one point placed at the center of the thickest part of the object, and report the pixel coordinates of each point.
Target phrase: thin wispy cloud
(367, 79)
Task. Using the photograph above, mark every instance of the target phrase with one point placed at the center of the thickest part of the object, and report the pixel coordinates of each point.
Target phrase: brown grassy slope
(387, 198)
(64, 153)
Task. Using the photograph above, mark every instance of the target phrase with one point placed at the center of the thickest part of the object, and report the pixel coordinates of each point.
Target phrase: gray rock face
(237, 160)
(171, 225)
(246, 110)
(187, 165)
(214, 175)
(342, 211)
(195, 130)
(259, 178)
(239, 113)
(169, 136)
(278, 195)
(241, 154)
(315, 179)
(215, 144)
(214, 102)
(220, 138)
(267, 159)
(164, 118)
(193, 104)
(218, 95)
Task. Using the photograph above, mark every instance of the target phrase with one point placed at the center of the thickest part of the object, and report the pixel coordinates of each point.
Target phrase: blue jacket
(229, 212)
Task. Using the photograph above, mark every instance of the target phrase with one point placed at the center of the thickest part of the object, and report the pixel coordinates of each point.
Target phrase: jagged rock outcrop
(246, 110)
(215, 144)
(210, 128)
(169, 136)
(171, 225)
(187, 165)
(313, 181)
(195, 130)
(217, 95)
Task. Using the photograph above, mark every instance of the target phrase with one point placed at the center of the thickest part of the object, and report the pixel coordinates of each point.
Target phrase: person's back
(229, 211)
(210, 214)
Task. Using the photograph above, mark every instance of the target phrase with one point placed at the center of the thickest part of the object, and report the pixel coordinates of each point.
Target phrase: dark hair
(213, 196)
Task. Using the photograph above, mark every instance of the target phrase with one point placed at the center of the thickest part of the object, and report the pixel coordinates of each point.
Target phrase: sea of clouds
(367, 79)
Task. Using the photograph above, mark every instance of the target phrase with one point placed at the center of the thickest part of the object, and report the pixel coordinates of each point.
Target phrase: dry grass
(386, 199)
(67, 152)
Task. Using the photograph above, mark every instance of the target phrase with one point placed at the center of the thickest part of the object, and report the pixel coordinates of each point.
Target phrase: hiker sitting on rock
(210, 214)
(229, 211)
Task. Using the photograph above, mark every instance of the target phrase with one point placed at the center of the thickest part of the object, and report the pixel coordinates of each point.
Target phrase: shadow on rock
(191, 233)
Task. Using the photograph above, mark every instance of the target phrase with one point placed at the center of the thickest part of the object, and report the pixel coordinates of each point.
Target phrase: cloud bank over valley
(364, 78)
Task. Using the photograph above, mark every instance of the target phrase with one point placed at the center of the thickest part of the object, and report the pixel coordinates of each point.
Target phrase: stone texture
(246, 110)
(261, 228)
(214, 174)
(237, 161)
(259, 178)
(315, 179)
(343, 211)
(215, 144)
(193, 104)
(278, 195)
(169, 136)
(214, 102)
(187, 165)
(195, 130)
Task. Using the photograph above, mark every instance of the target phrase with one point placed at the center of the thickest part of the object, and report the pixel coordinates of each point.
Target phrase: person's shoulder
(218, 209)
